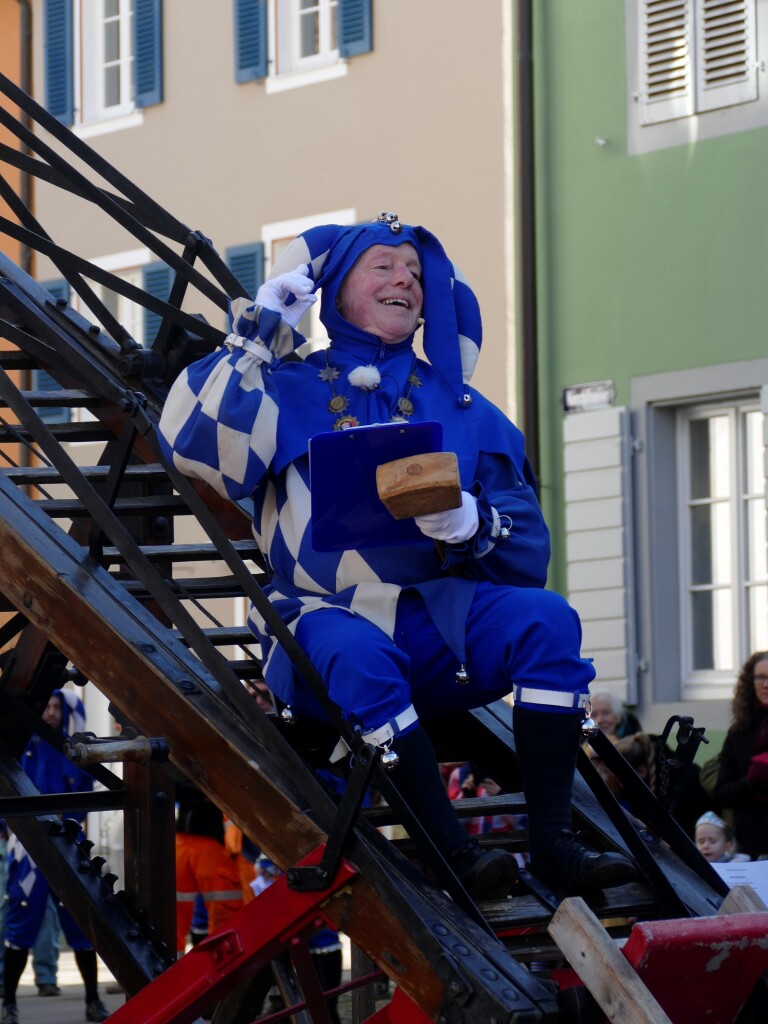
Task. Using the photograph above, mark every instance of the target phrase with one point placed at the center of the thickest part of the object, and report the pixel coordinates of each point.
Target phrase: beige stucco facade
(420, 125)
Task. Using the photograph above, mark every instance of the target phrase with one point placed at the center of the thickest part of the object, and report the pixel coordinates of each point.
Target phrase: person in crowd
(715, 841)
(28, 891)
(462, 782)
(676, 785)
(452, 617)
(612, 717)
(742, 781)
(203, 865)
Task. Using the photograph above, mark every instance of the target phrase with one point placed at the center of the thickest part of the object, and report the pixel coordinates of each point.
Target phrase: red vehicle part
(252, 938)
(700, 969)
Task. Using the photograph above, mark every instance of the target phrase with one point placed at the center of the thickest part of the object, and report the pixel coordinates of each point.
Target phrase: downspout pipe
(26, 255)
(26, 85)
(526, 230)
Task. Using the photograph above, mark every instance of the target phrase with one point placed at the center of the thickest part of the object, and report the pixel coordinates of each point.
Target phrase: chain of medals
(339, 404)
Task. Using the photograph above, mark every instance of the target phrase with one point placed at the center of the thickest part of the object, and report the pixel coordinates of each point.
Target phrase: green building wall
(646, 263)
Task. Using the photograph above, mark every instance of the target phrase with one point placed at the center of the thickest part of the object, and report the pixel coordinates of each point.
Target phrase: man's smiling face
(382, 293)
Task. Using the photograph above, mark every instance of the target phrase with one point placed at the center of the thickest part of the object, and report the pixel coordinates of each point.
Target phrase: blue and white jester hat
(452, 323)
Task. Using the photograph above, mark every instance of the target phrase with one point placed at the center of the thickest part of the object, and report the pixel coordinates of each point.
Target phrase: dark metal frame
(127, 385)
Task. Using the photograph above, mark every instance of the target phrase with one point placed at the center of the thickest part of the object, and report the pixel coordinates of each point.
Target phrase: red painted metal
(700, 969)
(400, 1010)
(252, 938)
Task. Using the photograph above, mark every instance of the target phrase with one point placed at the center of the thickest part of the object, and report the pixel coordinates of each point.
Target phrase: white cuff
(553, 698)
(384, 735)
(233, 341)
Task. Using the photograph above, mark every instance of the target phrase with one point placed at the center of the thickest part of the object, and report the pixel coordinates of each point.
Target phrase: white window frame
(279, 230)
(698, 683)
(704, 113)
(287, 70)
(92, 117)
(657, 401)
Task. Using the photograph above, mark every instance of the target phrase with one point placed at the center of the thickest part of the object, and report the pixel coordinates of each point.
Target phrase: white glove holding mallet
(454, 526)
(296, 284)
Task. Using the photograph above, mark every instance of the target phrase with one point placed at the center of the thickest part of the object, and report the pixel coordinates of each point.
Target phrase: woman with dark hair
(742, 782)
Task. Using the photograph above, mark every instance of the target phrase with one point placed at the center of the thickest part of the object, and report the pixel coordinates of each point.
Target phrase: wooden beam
(742, 899)
(598, 962)
(238, 759)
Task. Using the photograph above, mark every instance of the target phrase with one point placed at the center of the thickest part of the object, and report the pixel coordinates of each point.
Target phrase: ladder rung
(13, 359)
(198, 588)
(247, 549)
(49, 475)
(222, 635)
(64, 432)
(70, 508)
(64, 397)
(621, 901)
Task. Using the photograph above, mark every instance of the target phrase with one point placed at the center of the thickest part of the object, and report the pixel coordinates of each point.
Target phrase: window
(134, 267)
(298, 42)
(107, 59)
(724, 599)
(276, 237)
(688, 60)
(312, 36)
(699, 551)
(103, 60)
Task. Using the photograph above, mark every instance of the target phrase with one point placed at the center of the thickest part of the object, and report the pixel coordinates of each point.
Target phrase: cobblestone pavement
(69, 1007)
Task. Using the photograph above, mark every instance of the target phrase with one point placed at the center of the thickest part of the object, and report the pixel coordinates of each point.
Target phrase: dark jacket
(749, 806)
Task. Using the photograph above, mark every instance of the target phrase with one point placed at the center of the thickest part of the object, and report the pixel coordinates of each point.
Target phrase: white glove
(454, 526)
(274, 294)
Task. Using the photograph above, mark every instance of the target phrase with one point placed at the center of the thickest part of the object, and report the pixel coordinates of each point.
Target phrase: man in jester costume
(398, 634)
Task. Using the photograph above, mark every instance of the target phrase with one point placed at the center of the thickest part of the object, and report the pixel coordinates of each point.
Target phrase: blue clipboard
(347, 512)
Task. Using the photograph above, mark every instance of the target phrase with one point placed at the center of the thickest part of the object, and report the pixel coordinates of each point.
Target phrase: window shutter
(726, 53)
(59, 97)
(599, 542)
(250, 40)
(355, 27)
(42, 381)
(247, 264)
(157, 280)
(666, 41)
(148, 52)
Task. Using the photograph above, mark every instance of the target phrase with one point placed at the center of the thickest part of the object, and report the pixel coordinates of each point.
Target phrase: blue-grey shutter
(250, 40)
(247, 264)
(156, 279)
(59, 96)
(355, 27)
(148, 51)
(42, 381)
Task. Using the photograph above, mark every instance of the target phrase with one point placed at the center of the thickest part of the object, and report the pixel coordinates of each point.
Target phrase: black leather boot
(485, 874)
(547, 745)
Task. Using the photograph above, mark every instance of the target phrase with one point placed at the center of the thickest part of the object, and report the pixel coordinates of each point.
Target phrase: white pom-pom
(365, 377)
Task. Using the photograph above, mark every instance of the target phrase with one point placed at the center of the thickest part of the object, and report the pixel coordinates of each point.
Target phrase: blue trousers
(514, 635)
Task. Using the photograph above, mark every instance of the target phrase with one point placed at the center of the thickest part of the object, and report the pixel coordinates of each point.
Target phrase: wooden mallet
(419, 484)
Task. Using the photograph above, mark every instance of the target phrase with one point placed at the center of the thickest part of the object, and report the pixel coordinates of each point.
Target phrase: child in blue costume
(28, 891)
(398, 634)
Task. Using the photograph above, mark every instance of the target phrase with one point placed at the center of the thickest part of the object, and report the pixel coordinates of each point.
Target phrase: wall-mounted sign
(600, 394)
